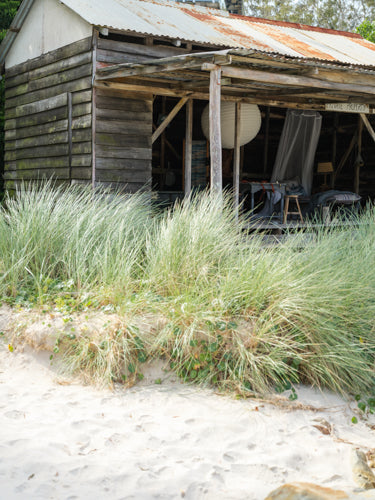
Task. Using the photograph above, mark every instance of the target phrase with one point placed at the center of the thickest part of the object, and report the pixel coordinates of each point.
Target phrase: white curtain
(297, 147)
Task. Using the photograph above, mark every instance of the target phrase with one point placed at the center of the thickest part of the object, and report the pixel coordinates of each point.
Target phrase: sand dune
(163, 441)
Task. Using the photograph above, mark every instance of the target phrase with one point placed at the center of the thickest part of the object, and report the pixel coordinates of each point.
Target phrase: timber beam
(298, 81)
(161, 65)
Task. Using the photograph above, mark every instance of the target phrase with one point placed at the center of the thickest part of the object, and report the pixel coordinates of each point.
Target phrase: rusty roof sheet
(163, 18)
(211, 26)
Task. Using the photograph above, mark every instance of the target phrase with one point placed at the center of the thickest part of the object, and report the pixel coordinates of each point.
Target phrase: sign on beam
(348, 107)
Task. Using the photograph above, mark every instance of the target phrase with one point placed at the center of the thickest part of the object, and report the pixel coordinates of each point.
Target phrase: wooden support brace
(368, 125)
(353, 142)
(168, 119)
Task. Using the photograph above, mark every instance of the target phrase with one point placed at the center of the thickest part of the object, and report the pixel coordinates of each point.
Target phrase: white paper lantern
(250, 123)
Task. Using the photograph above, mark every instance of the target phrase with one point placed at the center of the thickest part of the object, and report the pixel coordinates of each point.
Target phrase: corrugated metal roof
(210, 26)
(202, 25)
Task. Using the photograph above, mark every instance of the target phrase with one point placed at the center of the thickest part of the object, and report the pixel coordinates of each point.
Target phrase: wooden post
(95, 37)
(236, 158)
(266, 141)
(188, 146)
(334, 147)
(162, 145)
(215, 131)
(70, 134)
(358, 162)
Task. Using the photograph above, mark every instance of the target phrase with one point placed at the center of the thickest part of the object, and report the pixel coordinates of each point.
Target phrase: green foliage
(333, 14)
(365, 404)
(367, 30)
(8, 9)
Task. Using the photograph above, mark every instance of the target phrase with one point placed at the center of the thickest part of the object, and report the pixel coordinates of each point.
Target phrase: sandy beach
(62, 440)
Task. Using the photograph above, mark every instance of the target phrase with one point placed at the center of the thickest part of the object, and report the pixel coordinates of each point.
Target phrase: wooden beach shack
(112, 93)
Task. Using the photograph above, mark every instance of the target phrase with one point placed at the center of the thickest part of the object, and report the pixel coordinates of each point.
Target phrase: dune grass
(236, 314)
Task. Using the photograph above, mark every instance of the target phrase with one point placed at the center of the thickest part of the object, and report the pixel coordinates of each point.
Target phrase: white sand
(161, 441)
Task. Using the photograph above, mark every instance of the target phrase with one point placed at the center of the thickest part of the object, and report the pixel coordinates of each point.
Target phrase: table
(270, 187)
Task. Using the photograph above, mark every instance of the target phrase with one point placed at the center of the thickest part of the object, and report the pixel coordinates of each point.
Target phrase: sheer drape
(297, 147)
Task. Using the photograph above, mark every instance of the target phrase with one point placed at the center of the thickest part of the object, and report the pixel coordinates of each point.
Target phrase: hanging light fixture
(249, 124)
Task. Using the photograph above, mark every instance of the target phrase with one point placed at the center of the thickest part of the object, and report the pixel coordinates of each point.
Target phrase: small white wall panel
(49, 26)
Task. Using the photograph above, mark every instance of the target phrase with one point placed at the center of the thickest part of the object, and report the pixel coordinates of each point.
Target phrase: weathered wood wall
(123, 125)
(48, 117)
(53, 117)
(123, 139)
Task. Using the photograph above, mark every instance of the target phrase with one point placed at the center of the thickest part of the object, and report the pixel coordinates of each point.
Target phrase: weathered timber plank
(45, 129)
(124, 127)
(130, 153)
(82, 96)
(40, 140)
(37, 152)
(53, 115)
(70, 50)
(50, 81)
(81, 160)
(122, 104)
(119, 114)
(10, 135)
(112, 57)
(38, 174)
(81, 148)
(81, 173)
(122, 175)
(123, 163)
(121, 94)
(37, 95)
(50, 69)
(50, 162)
(81, 135)
(37, 107)
(81, 122)
(23, 185)
(151, 51)
(82, 109)
(10, 165)
(137, 141)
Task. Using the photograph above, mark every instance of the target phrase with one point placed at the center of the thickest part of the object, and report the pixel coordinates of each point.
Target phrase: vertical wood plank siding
(37, 134)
